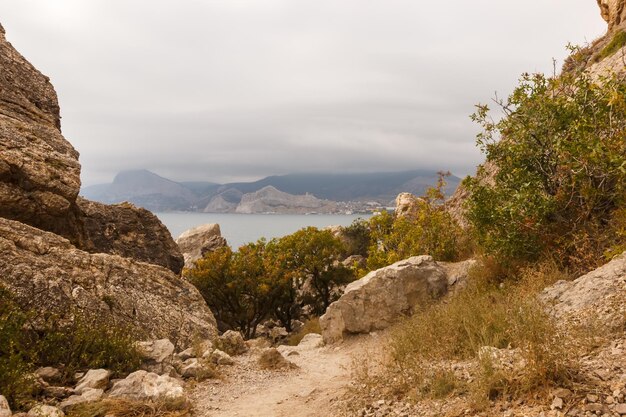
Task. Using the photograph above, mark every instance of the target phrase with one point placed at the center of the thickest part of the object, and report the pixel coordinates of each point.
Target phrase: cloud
(229, 89)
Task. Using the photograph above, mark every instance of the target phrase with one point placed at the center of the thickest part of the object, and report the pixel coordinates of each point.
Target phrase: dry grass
(271, 359)
(435, 353)
(128, 408)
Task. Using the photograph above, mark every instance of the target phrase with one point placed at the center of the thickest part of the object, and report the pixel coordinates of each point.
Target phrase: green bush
(30, 341)
(428, 230)
(560, 171)
(617, 42)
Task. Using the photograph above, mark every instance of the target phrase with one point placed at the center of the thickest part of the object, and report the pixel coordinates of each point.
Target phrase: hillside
(153, 192)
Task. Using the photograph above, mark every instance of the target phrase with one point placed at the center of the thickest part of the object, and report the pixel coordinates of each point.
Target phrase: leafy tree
(312, 257)
(357, 237)
(559, 155)
(236, 286)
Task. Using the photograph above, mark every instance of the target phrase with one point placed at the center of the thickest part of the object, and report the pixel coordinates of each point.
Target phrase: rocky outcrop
(128, 231)
(271, 200)
(598, 295)
(377, 300)
(194, 243)
(407, 205)
(46, 271)
(39, 169)
(613, 11)
(142, 385)
(40, 175)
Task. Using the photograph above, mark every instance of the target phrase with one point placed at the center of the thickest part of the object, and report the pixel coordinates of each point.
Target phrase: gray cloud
(230, 89)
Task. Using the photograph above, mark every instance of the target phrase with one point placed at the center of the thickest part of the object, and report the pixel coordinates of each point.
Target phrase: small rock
(49, 374)
(42, 410)
(58, 392)
(186, 354)
(620, 409)
(311, 341)
(5, 410)
(94, 378)
(88, 395)
(221, 358)
(562, 393)
(272, 359)
(232, 343)
(557, 404)
(592, 398)
(156, 350)
(594, 407)
(278, 333)
(142, 385)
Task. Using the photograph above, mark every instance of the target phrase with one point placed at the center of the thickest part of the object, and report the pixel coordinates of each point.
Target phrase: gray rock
(186, 354)
(94, 379)
(221, 358)
(5, 410)
(232, 343)
(157, 351)
(58, 392)
(195, 242)
(49, 374)
(377, 300)
(88, 395)
(311, 341)
(42, 410)
(143, 385)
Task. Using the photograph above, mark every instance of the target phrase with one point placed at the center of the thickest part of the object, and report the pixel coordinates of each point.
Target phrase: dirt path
(311, 390)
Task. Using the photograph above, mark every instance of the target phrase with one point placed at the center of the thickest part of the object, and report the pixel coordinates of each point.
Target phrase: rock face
(39, 169)
(271, 200)
(377, 300)
(45, 270)
(40, 175)
(406, 204)
(600, 294)
(613, 11)
(194, 243)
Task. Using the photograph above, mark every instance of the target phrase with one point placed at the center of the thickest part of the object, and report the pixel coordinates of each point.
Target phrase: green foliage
(357, 237)
(617, 42)
(29, 342)
(427, 230)
(236, 286)
(271, 279)
(311, 257)
(560, 158)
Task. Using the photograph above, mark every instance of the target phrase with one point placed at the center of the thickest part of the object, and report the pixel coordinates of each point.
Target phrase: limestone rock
(49, 374)
(194, 243)
(407, 204)
(271, 200)
(57, 392)
(186, 354)
(142, 385)
(5, 410)
(42, 410)
(311, 341)
(89, 395)
(377, 300)
(599, 294)
(232, 343)
(613, 11)
(128, 231)
(221, 358)
(272, 359)
(39, 169)
(45, 270)
(353, 260)
(93, 379)
(156, 350)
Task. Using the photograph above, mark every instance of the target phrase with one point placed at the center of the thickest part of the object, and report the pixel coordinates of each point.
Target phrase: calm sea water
(239, 229)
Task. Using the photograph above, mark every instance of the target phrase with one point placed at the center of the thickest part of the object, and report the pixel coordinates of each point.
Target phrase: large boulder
(142, 385)
(195, 242)
(5, 410)
(407, 205)
(93, 379)
(39, 169)
(40, 175)
(45, 270)
(377, 300)
(599, 295)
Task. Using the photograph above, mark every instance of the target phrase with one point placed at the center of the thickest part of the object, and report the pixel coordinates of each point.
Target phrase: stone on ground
(142, 385)
(94, 378)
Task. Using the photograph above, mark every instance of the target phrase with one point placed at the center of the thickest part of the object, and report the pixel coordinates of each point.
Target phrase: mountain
(145, 189)
(284, 193)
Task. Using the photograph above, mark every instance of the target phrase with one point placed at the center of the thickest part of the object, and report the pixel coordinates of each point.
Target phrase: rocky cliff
(60, 252)
(271, 200)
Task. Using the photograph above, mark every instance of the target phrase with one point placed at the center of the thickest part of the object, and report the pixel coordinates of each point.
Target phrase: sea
(239, 229)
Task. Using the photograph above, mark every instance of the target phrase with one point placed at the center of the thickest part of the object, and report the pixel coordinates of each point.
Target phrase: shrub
(357, 237)
(428, 230)
(617, 42)
(560, 158)
(29, 342)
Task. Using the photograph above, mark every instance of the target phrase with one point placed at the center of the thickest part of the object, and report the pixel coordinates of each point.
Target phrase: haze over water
(239, 229)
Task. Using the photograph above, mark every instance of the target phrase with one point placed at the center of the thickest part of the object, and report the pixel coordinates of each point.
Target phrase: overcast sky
(225, 90)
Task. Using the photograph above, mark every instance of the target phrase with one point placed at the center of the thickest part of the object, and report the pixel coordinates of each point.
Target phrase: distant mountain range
(294, 193)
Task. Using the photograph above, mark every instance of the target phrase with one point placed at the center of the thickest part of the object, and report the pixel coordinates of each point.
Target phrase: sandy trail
(323, 376)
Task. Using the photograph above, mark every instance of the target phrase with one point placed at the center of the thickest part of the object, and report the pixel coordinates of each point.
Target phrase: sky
(235, 90)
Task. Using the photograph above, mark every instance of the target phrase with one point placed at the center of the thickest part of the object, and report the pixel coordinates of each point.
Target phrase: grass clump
(177, 407)
(617, 42)
(508, 316)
